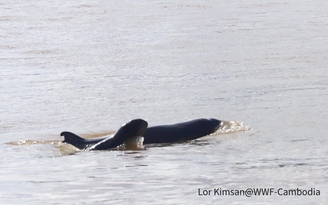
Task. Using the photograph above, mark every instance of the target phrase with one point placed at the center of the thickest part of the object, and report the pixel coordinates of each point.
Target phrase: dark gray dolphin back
(132, 129)
(181, 131)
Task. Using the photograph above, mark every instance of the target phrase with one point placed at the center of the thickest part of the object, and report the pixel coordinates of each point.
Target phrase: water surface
(90, 66)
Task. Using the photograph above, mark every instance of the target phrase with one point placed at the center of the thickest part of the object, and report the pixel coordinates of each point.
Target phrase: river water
(90, 66)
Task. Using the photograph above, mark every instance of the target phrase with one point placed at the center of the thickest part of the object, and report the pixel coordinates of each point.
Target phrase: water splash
(232, 126)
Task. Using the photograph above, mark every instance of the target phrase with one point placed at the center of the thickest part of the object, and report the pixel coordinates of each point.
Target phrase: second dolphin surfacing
(178, 132)
(128, 131)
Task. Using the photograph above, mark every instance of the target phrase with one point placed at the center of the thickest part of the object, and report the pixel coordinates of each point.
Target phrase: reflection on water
(66, 149)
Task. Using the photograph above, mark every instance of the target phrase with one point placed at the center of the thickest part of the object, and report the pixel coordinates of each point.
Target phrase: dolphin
(128, 131)
(172, 133)
(179, 132)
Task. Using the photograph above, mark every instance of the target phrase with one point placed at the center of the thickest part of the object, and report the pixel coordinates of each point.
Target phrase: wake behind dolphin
(179, 132)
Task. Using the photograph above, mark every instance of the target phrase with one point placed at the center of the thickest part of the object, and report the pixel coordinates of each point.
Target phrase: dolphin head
(216, 124)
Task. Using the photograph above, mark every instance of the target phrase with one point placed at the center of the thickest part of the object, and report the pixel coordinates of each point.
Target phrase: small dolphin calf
(179, 132)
